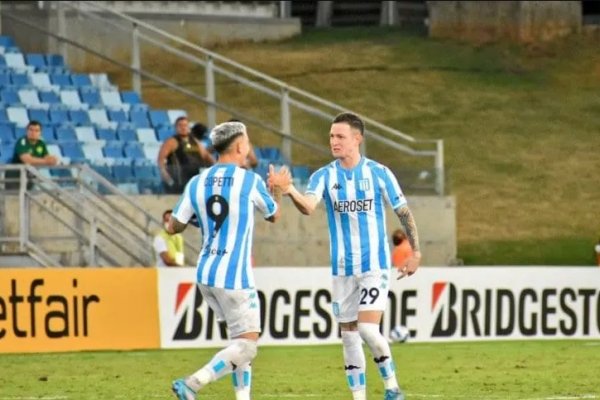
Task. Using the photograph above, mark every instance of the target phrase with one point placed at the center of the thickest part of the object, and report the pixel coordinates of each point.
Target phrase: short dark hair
(351, 119)
(179, 119)
(33, 122)
(398, 237)
(169, 211)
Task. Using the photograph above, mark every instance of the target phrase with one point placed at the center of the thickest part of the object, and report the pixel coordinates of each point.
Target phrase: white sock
(382, 354)
(242, 380)
(354, 360)
(239, 352)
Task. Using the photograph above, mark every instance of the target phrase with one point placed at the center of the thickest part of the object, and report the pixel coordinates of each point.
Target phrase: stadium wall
(519, 21)
(295, 238)
(51, 310)
(116, 43)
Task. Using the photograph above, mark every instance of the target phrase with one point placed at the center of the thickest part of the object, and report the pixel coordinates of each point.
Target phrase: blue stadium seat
(159, 118)
(146, 135)
(39, 115)
(3, 116)
(93, 151)
(123, 172)
(7, 133)
(55, 60)
(271, 153)
(79, 117)
(66, 134)
(58, 117)
(117, 116)
(61, 80)
(4, 79)
(18, 115)
(10, 96)
(15, 60)
(106, 134)
(134, 150)
(49, 97)
(103, 170)
(90, 95)
(72, 150)
(81, 80)
(19, 79)
(20, 132)
(126, 134)
(30, 99)
(49, 134)
(300, 172)
(140, 119)
(6, 152)
(35, 60)
(113, 149)
(130, 97)
(163, 133)
(85, 134)
(7, 41)
(98, 117)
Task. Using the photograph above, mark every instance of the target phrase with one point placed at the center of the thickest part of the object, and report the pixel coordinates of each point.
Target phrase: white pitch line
(34, 398)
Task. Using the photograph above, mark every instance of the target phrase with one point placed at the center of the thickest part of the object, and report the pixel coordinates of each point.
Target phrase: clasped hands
(281, 180)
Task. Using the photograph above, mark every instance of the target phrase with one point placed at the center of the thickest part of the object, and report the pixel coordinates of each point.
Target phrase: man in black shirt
(180, 158)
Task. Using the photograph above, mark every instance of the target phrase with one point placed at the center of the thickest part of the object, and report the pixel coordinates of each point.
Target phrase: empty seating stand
(87, 119)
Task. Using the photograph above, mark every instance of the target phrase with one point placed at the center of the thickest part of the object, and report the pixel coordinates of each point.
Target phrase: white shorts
(240, 309)
(365, 292)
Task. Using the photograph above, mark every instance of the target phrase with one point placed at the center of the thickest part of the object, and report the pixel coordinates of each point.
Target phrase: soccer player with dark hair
(356, 190)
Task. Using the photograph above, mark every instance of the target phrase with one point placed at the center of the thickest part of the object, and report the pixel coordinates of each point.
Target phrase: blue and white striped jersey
(223, 197)
(354, 200)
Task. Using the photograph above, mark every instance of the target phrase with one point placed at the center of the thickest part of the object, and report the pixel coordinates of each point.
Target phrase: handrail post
(211, 112)
(62, 29)
(286, 125)
(439, 167)
(136, 81)
(24, 210)
(285, 9)
(93, 241)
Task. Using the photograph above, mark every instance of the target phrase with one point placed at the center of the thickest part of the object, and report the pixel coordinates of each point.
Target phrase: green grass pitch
(519, 370)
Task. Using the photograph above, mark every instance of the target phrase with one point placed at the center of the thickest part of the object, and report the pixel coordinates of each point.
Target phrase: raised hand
(281, 179)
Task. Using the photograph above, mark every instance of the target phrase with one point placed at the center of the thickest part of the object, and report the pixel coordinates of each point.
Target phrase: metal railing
(76, 211)
(290, 100)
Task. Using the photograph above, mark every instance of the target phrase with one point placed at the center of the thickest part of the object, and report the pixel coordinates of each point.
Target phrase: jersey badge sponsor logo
(336, 186)
(364, 185)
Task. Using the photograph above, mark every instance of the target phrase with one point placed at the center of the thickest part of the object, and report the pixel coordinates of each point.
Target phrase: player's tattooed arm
(175, 226)
(410, 227)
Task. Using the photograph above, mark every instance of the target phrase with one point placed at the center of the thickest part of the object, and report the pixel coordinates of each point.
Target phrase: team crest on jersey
(364, 185)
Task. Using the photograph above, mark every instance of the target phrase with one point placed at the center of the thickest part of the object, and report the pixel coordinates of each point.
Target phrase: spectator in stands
(168, 248)
(252, 160)
(402, 250)
(180, 158)
(597, 249)
(31, 150)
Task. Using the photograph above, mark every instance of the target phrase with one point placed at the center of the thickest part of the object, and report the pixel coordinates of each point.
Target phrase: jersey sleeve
(316, 184)
(184, 210)
(391, 189)
(21, 147)
(262, 199)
